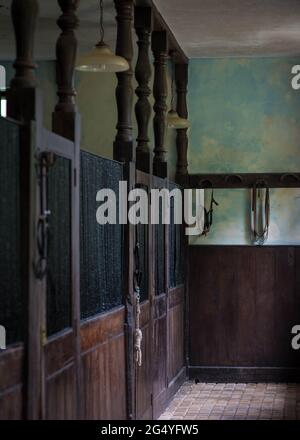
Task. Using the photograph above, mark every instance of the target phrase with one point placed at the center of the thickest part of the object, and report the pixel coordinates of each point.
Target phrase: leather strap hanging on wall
(208, 214)
(260, 231)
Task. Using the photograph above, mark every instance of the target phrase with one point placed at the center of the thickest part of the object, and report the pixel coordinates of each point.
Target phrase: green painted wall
(97, 106)
(245, 117)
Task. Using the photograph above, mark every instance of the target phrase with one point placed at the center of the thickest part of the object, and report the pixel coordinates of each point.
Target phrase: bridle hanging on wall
(208, 214)
(260, 234)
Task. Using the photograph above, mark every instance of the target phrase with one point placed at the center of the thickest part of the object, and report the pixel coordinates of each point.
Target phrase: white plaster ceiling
(203, 28)
(221, 28)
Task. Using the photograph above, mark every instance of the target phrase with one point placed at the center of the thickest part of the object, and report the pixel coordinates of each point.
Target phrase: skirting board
(161, 402)
(244, 374)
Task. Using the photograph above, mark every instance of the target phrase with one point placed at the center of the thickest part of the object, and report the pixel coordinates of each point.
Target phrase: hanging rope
(260, 232)
(138, 336)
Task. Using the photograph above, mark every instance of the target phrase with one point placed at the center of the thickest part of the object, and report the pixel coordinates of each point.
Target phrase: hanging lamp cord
(172, 89)
(101, 21)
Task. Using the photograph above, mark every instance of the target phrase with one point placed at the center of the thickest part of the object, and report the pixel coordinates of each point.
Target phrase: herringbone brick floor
(240, 401)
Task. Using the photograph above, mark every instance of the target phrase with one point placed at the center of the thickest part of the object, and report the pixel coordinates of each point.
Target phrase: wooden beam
(161, 25)
(247, 180)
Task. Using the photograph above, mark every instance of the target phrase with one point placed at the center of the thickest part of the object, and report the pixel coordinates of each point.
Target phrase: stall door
(57, 264)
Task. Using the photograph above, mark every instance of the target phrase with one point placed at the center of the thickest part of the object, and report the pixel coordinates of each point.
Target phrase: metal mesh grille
(12, 310)
(59, 247)
(142, 240)
(160, 253)
(101, 259)
(176, 249)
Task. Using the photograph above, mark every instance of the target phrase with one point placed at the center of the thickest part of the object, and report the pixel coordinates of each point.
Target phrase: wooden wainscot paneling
(244, 302)
(103, 366)
(11, 383)
(159, 354)
(176, 362)
(60, 377)
(144, 372)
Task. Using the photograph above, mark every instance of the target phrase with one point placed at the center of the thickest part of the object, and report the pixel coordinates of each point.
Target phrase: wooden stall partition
(103, 366)
(143, 373)
(15, 145)
(103, 314)
(58, 190)
(176, 370)
(176, 361)
(159, 307)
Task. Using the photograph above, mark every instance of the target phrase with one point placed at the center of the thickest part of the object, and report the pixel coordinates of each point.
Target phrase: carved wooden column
(63, 118)
(21, 102)
(123, 146)
(124, 152)
(143, 27)
(181, 78)
(160, 52)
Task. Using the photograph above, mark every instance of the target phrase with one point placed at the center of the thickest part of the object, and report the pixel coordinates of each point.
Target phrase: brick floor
(235, 401)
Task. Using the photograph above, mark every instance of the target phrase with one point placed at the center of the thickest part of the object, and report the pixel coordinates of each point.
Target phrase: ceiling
(203, 28)
(221, 28)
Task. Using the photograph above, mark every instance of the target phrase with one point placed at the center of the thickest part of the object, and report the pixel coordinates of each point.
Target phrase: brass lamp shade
(101, 59)
(175, 121)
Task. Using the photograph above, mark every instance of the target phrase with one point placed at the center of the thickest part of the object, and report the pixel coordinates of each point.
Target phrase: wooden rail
(247, 180)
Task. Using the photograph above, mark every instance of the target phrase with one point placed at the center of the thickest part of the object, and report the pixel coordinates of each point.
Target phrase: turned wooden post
(20, 97)
(64, 115)
(124, 152)
(160, 52)
(123, 145)
(143, 27)
(181, 78)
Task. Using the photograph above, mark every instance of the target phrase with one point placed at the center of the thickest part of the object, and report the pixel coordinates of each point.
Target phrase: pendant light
(173, 119)
(101, 58)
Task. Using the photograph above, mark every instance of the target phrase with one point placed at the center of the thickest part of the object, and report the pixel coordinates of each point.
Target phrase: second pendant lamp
(101, 58)
(173, 119)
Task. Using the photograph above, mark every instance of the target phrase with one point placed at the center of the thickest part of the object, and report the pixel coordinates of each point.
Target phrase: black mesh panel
(101, 245)
(142, 240)
(176, 261)
(12, 311)
(160, 254)
(59, 247)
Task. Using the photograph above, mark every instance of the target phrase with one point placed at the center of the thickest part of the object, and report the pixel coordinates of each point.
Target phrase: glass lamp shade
(175, 121)
(101, 59)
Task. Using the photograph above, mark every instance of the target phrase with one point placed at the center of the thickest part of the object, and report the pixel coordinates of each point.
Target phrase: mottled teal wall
(245, 117)
(97, 105)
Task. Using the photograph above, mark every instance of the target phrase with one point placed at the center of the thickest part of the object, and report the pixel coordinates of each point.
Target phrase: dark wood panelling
(103, 366)
(144, 372)
(61, 394)
(60, 377)
(59, 352)
(175, 333)
(159, 353)
(11, 383)
(243, 303)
